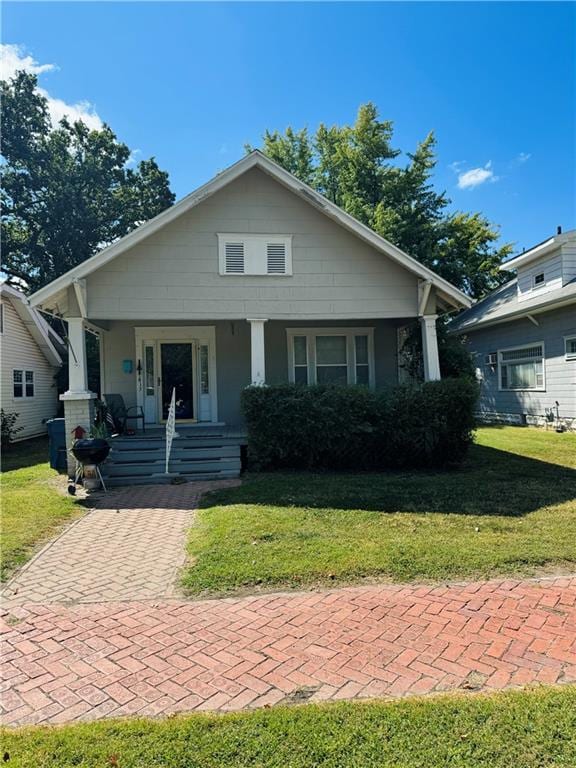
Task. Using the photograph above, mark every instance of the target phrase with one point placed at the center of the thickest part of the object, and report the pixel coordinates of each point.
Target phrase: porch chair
(121, 414)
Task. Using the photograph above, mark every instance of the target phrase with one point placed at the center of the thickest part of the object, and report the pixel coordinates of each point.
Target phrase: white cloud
(520, 159)
(475, 176)
(82, 110)
(133, 159)
(14, 58)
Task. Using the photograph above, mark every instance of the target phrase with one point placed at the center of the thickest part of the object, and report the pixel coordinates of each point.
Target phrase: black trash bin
(57, 438)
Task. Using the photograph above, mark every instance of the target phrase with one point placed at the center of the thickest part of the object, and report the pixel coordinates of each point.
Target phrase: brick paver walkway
(129, 547)
(93, 661)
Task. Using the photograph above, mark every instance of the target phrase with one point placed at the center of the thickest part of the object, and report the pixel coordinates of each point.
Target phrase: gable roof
(46, 338)
(539, 250)
(503, 304)
(255, 159)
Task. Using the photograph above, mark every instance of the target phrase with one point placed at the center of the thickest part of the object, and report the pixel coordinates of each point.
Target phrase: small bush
(419, 425)
(9, 429)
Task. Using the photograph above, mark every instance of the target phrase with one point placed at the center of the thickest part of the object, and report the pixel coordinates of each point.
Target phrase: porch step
(140, 460)
(131, 469)
(149, 443)
(126, 456)
(115, 482)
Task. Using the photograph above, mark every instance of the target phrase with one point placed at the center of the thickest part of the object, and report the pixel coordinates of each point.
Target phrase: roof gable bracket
(80, 290)
(533, 320)
(424, 288)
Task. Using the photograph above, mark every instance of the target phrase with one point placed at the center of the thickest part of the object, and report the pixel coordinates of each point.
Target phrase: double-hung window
(522, 367)
(331, 356)
(22, 384)
(570, 347)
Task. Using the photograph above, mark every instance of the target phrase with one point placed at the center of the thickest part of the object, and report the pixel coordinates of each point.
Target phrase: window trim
(349, 333)
(572, 355)
(535, 285)
(261, 240)
(526, 345)
(24, 396)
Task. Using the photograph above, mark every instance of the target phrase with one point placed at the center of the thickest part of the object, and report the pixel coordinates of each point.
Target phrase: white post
(77, 368)
(257, 353)
(78, 401)
(430, 348)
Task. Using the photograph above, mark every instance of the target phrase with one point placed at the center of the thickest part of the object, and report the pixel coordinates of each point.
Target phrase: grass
(527, 729)
(510, 509)
(32, 508)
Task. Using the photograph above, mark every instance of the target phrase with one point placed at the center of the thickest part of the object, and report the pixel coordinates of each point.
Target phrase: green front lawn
(528, 729)
(511, 509)
(32, 508)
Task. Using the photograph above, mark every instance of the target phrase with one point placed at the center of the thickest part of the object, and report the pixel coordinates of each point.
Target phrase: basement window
(255, 254)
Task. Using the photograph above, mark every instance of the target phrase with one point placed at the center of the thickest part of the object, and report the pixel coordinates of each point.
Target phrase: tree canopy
(356, 167)
(68, 191)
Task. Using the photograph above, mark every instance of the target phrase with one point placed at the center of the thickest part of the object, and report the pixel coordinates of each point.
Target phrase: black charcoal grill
(93, 450)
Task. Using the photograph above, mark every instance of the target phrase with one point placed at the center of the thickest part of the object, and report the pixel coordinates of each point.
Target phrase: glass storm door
(177, 371)
(150, 398)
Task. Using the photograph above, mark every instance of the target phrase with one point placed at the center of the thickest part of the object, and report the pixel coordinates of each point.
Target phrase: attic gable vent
(276, 258)
(234, 258)
(255, 254)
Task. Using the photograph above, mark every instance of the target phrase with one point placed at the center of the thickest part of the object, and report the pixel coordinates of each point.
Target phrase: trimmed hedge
(330, 427)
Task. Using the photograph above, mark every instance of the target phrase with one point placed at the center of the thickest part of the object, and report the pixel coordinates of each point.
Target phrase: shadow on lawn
(490, 482)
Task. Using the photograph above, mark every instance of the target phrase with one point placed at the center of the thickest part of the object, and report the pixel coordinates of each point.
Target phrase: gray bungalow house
(253, 278)
(524, 337)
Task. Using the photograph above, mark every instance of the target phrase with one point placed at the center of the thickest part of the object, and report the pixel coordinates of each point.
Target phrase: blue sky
(191, 83)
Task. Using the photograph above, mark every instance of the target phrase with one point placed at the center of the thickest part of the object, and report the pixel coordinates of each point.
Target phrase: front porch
(208, 364)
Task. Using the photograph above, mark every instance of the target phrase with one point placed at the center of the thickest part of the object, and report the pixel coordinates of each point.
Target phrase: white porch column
(77, 369)
(430, 348)
(78, 401)
(257, 353)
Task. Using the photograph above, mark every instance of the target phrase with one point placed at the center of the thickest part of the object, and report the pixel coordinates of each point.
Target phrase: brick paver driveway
(110, 659)
(129, 547)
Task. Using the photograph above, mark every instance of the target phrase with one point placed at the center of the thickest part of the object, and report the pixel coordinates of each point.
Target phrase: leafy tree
(353, 166)
(455, 359)
(67, 190)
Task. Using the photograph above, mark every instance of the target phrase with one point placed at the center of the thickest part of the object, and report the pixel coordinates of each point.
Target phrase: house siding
(174, 273)
(569, 262)
(560, 374)
(20, 351)
(552, 269)
(233, 356)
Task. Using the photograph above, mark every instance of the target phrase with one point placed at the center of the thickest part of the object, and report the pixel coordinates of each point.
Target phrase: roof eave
(517, 314)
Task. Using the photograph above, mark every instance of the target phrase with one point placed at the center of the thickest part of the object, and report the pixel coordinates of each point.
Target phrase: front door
(177, 366)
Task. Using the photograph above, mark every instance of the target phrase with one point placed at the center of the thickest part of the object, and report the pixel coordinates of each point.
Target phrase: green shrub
(418, 425)
(8, 427)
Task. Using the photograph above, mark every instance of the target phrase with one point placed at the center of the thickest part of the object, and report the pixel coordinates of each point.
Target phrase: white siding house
(523, 336)
(30, 361)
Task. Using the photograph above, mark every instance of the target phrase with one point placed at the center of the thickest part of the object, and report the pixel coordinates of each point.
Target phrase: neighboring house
(523, 336)
(254, 278)
(31, 356)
